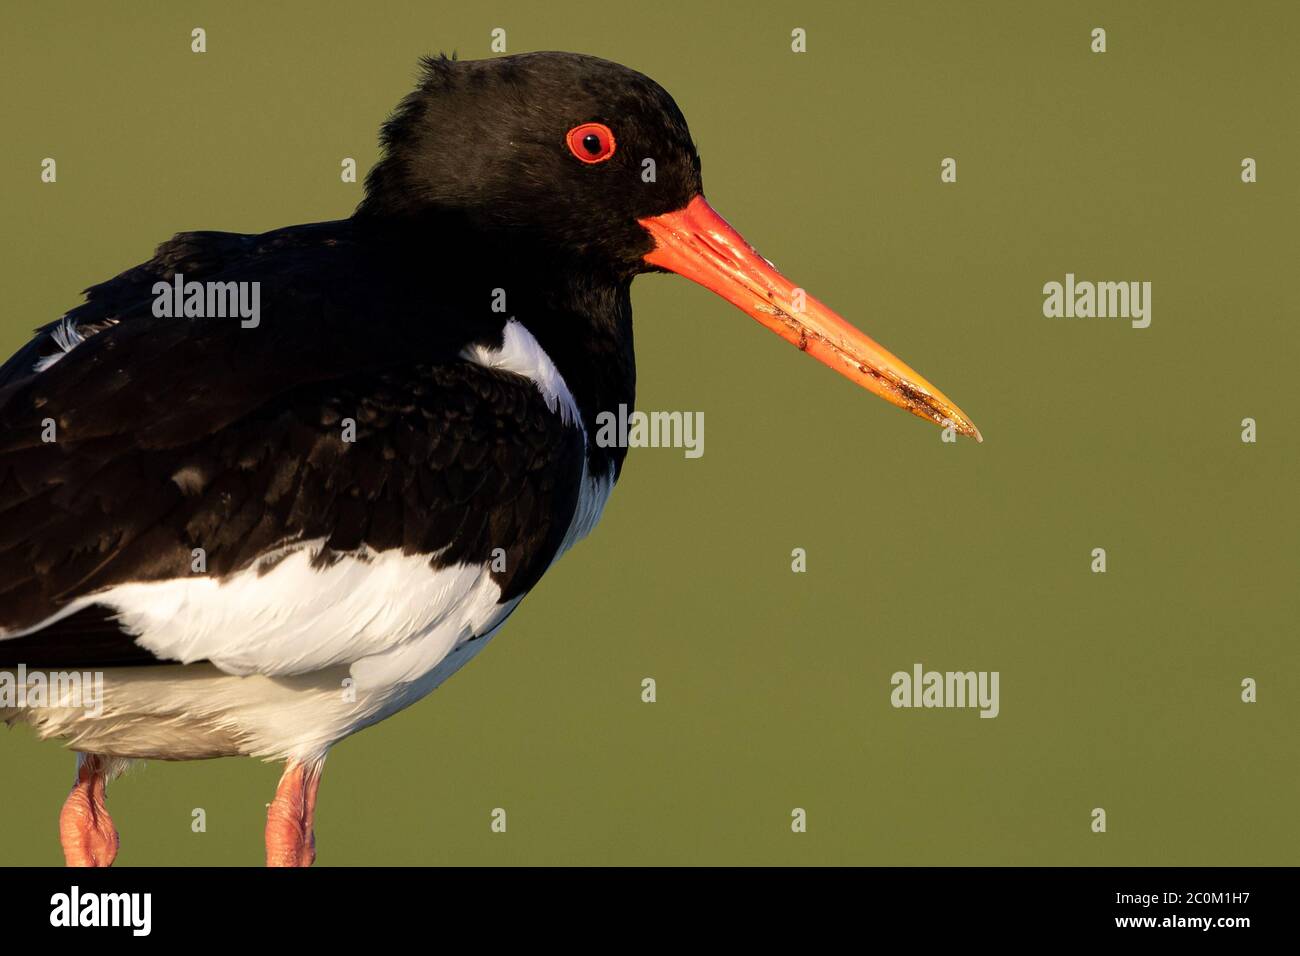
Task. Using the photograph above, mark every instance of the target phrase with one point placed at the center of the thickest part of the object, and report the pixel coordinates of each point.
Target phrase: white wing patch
(522, 354)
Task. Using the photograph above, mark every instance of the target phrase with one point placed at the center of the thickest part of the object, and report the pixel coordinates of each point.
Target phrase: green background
(1119, 690)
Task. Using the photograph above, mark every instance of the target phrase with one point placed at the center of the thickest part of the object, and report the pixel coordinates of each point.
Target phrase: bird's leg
(85, 828)
(289, 837)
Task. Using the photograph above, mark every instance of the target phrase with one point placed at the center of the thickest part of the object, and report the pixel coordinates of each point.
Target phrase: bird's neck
(580, 314)
(585, 327)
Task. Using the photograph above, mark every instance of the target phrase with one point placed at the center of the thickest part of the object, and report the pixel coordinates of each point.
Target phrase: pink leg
(85, 828)
(289, 817)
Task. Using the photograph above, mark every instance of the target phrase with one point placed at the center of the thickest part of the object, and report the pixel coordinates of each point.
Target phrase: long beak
(699, 244)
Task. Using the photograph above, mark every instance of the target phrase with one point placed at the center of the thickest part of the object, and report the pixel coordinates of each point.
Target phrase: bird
(267, 536)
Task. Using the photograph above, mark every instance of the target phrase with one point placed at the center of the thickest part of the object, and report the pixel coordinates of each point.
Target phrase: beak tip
(957, 419)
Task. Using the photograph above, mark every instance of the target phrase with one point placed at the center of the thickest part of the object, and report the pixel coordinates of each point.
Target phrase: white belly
(195, 711)
(285, 663)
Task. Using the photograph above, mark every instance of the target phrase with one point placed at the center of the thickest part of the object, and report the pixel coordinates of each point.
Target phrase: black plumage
(180, 433)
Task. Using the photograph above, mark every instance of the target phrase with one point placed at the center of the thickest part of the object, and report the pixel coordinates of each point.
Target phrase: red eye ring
(591, 142)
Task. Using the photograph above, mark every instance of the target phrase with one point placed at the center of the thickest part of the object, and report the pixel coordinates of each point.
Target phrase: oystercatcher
(268, 535)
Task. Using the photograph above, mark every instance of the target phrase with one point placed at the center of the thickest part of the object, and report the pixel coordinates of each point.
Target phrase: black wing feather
(177, 434)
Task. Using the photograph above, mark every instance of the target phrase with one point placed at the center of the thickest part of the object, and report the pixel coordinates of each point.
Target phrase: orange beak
(697, 243)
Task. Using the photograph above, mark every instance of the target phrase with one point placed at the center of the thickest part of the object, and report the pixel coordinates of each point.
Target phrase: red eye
(591, 142)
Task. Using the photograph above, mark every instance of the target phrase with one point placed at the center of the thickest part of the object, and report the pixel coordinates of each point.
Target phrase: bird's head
(579, 159)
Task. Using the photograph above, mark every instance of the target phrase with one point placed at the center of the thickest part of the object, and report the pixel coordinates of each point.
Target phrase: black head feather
(481, 143)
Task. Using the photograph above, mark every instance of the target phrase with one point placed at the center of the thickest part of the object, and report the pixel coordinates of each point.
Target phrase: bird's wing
(156, 441)
(197, 256)
(449, 464)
